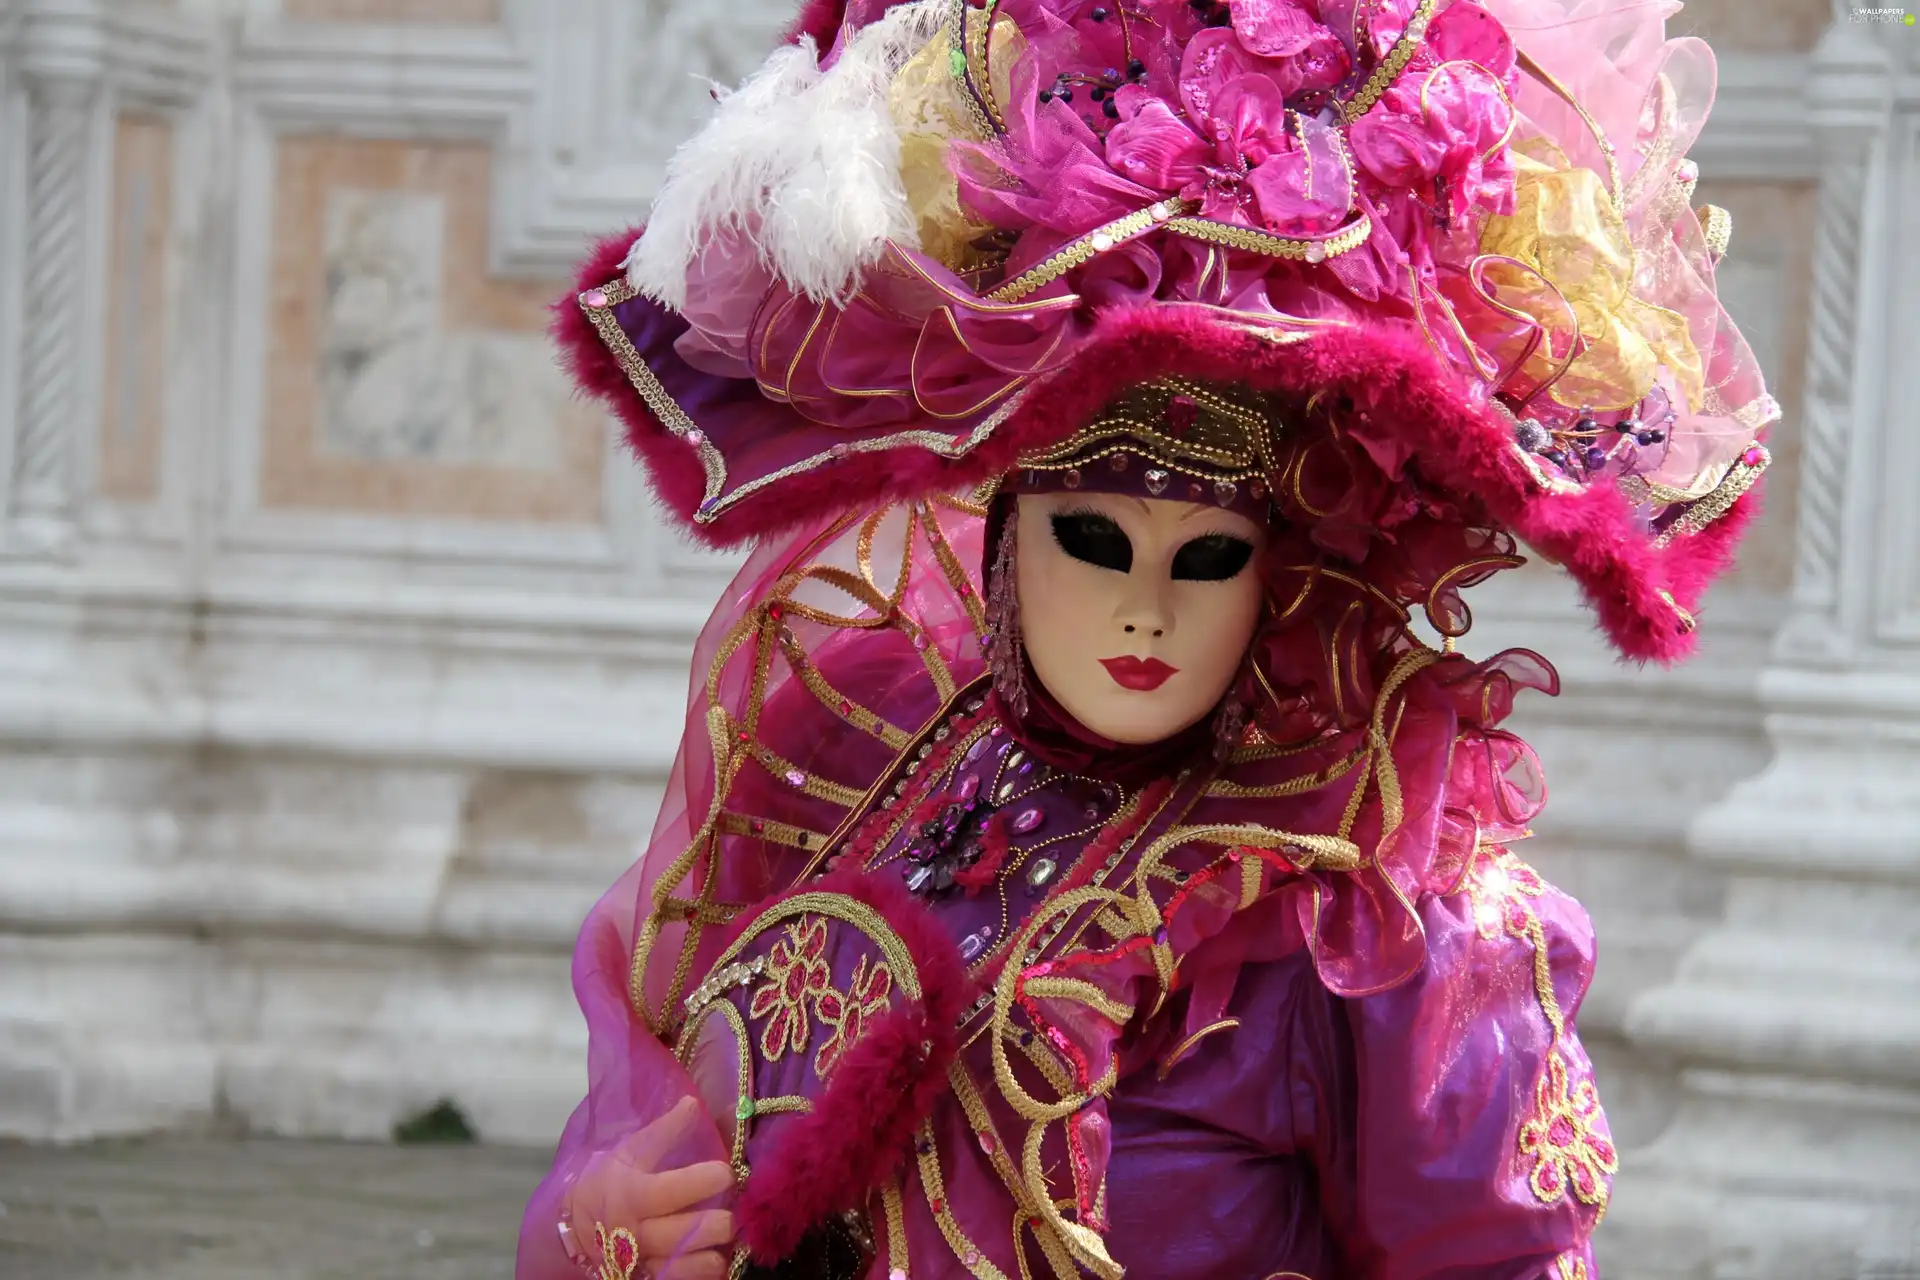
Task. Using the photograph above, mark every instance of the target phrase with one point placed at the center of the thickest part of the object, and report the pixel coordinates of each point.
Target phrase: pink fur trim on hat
(1457, 446)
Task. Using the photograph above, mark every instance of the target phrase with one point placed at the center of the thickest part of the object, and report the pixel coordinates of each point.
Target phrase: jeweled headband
(1174, 438)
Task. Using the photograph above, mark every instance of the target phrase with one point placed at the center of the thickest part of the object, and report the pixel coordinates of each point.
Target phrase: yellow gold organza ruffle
(930, 109)
(1566, 226)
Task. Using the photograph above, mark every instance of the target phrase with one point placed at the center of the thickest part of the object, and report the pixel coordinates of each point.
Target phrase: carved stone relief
(402, 378)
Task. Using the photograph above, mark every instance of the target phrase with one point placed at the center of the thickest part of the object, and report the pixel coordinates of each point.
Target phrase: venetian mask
(1136, 612)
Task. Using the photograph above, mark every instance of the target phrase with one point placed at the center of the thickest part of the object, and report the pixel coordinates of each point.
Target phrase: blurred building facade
(341, 656)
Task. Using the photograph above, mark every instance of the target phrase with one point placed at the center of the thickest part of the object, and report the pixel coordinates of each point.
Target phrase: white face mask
(1136, 612)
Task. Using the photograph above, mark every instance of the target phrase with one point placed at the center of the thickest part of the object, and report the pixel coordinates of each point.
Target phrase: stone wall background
(340, 651)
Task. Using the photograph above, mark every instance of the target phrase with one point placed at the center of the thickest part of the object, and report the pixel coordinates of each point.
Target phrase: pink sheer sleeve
(632, 1079)
(753, 726)
(1476, 1146)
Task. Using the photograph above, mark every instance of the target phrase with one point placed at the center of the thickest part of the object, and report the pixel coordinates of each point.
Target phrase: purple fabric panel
(757, 435)
(653, 329)
(1447, 1067)
(1374, 1138)
(1225, 1134)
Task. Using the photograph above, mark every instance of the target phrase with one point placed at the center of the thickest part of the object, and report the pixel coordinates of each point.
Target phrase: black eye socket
(1095, 539)
(1214, 558)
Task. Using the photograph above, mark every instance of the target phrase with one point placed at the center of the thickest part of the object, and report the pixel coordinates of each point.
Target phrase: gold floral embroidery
(1567, 1151)
(1563, 1135)
(848, 1013)
(799, 991)
(1571, 1268)
(797, 974)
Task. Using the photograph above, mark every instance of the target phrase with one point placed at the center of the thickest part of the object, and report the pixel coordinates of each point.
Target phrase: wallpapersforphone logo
(1883, 17)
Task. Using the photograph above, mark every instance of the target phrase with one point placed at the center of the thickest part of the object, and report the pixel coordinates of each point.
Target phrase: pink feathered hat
(1459, 233)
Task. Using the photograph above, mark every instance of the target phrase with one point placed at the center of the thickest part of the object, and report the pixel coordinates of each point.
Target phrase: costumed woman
(1089, 851)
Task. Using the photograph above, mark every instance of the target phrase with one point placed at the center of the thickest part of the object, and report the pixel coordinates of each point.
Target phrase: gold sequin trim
(1393, 64)
(1223, 789)
(1084, 250)
(931, 1182)
(663, 405)
(744, 1105)
(1231, 438)
(861, 718)
(781, 833)
(893, 1208)
(962, 585)
(833, 906)
(972, 30)
(1716, 224)
(1740, 477)
(1345, 240)
(1560, 1136)
(808, 784)
(1135, 443)
(1025, 1213)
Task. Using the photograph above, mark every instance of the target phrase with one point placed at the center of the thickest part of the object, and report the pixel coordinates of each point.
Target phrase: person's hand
(627, 1188)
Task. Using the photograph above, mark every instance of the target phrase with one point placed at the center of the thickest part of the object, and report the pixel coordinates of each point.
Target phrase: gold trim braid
(1212, 432)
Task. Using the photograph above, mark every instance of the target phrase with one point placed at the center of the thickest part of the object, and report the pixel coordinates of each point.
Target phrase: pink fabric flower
(1063, 180)
(1464, 32)
(1307, 189)
(1441, 130)
(1153, 146)
(1240, 152)
(1448, 148)
(1310, 56)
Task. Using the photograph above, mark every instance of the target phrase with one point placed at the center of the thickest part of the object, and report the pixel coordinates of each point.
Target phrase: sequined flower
(848, 1014)
(1566, 1136)
(797, 974)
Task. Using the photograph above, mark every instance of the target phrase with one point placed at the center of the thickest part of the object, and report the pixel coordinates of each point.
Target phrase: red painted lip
(1141, 674)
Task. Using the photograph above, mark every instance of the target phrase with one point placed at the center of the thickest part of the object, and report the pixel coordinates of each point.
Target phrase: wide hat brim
(731, 467)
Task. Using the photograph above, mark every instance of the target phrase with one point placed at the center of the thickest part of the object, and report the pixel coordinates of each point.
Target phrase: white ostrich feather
(802, 164)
